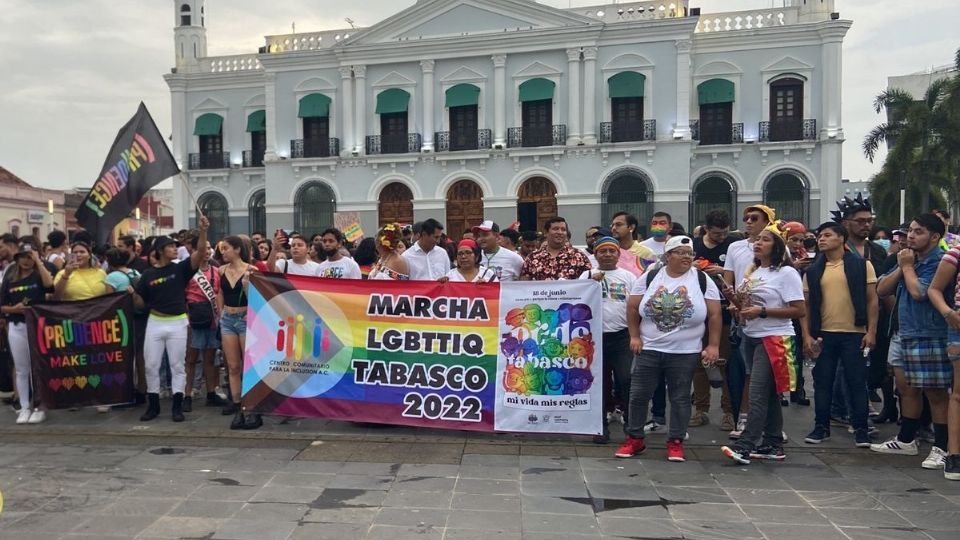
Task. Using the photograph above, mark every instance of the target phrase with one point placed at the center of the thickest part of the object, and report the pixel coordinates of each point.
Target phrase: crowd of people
(871, 308)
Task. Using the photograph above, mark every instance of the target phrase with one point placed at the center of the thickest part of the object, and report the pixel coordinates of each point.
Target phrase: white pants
(170, 336)
(20, 350)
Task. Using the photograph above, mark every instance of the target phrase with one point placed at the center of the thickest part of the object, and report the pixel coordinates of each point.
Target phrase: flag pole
(186, 186)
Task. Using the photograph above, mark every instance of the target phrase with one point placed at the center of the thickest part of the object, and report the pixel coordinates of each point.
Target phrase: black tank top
(233, 295)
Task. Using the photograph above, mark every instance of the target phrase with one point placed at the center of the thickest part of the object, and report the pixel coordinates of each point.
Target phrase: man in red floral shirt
(557, 259)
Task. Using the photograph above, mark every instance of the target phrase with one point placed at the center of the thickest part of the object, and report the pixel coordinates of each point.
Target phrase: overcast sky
(74, 71)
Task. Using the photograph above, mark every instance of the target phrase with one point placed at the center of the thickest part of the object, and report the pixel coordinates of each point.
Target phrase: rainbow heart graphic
(120, 378)
(106, 379)
(81, 381)
(68, 383)
(93, 381)
(54, 384)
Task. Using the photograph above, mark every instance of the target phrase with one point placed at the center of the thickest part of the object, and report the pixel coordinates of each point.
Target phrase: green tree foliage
(924, 139)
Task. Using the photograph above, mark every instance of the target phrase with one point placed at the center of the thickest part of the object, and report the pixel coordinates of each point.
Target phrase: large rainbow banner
(405, 353)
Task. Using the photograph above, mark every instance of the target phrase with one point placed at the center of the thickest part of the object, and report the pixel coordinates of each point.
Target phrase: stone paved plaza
(106, 476)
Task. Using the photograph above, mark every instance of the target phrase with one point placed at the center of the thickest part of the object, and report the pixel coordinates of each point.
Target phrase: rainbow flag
(781, 351)
(405, 353)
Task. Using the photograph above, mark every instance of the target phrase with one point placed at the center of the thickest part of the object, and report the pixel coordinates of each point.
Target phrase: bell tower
(190, 31)
(815, 10)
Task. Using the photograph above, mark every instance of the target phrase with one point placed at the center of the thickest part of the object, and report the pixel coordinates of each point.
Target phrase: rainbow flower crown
(390, 236)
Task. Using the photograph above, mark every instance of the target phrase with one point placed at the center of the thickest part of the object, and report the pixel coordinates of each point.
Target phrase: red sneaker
(675, 450)
(631, 447)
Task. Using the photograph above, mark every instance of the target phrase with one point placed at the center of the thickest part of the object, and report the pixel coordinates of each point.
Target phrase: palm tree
(924, 144)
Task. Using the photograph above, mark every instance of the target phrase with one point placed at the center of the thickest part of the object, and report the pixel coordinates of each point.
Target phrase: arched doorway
(257, 211)
(214, 206)
(314, 208)
(396, 204)
(786, 192)
(464, 208)
(628, 191)
(537, 202)
(715, 191)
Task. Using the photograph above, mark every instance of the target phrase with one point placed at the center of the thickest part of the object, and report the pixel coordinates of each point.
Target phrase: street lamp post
(903, 195)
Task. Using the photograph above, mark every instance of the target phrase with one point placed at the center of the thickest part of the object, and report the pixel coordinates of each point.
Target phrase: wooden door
(542, 193)
(627, 119)
(538, 123)
(396, 204)
(393, 133)
(464, 208)
(463, 128)
(786, 110)
(316, 137)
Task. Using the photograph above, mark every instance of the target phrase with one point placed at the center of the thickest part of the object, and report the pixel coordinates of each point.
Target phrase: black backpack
(701, 277)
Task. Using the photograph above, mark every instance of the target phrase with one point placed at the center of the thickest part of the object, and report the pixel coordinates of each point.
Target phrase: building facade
(29, 211)
(513, 111)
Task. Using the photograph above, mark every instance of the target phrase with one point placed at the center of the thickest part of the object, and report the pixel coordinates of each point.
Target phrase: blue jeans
(658, 405)
(649, 368)
(840, 348)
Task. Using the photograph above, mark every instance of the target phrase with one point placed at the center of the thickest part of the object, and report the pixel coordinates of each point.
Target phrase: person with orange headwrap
(468, 267)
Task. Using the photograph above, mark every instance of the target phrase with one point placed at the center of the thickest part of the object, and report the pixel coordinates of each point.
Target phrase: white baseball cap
(677, 241)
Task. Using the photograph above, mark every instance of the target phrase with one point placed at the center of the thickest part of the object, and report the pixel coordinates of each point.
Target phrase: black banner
(138, 160)
(82, 352)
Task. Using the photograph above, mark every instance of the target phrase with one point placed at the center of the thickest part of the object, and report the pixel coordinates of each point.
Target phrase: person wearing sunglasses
(669, 310)
(740, 258)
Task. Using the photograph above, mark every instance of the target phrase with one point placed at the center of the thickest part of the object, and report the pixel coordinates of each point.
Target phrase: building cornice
(771, 38)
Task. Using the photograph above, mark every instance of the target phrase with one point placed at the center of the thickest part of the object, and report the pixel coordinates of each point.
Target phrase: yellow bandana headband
(777, 228)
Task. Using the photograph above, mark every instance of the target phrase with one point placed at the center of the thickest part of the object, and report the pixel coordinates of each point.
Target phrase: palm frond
(892, 98)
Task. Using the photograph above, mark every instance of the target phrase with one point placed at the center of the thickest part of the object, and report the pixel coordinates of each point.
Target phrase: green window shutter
(462, 95)
(628, 84)
(257, 122)
(716, 91)
(536, 90)
(393, 100)
(208, 124)
(314, 106)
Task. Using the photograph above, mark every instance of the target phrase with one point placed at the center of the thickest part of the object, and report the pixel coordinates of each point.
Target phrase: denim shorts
(953, 340)
(204, 339)
(895, 353)
(233, 324)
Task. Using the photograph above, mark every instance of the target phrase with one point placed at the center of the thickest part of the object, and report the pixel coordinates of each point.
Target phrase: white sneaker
(23, 417)
(741, 425)
(936, 460)
(37, 416)
(785, 439)
(653, 427)
(102, 409)
(895, 446)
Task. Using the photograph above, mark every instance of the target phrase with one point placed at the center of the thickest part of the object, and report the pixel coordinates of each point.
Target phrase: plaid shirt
(568, 264)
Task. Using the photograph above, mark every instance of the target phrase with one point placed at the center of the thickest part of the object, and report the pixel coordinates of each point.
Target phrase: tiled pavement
(121, 491)
(107, 476)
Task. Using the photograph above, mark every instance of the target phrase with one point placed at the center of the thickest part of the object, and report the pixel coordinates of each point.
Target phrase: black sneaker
(818, 435)
(951, 470)
(736, 454)
(770, 453)
(861, 438)
(187, 404)
(213, 400)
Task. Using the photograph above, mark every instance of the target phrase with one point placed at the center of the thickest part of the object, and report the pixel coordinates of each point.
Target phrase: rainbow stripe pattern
(782, 352)
(404, 353)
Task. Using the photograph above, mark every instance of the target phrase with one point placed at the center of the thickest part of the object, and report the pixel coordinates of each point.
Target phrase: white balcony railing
(309, 41)
(635, 11)
(747, 20)
(226, 64)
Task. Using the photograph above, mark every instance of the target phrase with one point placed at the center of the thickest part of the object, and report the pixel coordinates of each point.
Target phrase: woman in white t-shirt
(666, 312)
(771, 295)
(468, 268)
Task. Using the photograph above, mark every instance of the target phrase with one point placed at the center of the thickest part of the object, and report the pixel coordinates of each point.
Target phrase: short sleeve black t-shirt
(28, 290)
(716, 255)
(164, 289)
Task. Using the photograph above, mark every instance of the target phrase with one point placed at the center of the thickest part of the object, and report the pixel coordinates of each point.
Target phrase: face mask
(809, 243)
(658, 231)
(883, 242)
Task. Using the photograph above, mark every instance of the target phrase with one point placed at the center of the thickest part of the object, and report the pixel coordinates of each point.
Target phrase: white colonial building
(514, 111)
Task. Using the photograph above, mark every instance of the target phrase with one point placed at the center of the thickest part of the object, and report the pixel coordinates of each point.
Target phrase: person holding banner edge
(161, 290)
(232, 306)
(26, 282)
